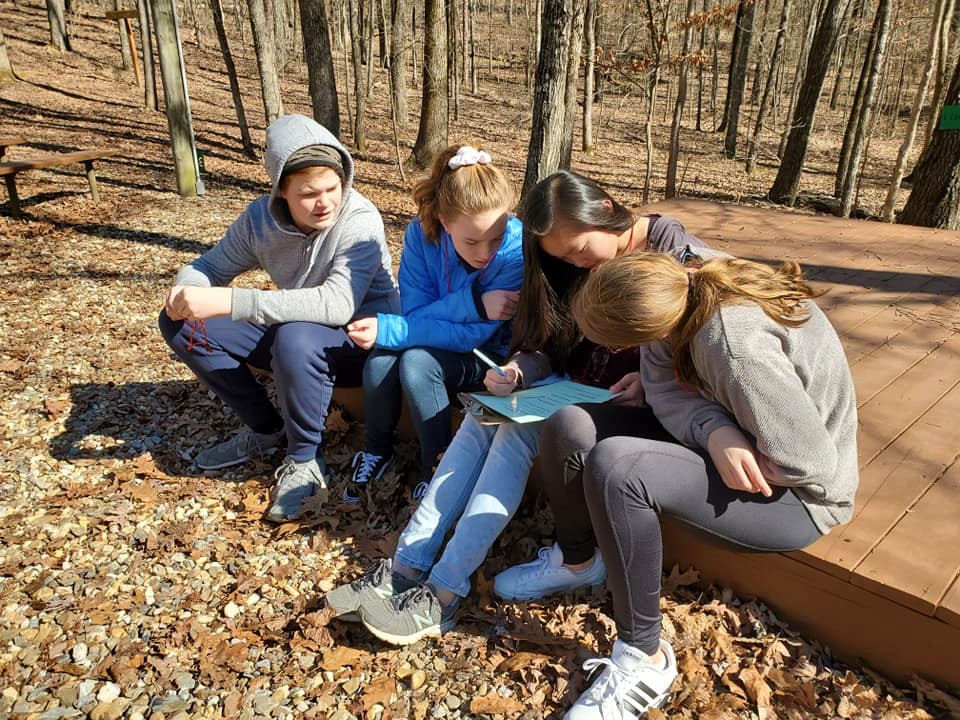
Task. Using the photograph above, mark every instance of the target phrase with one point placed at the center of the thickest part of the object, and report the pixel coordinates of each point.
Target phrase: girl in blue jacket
(460, 274)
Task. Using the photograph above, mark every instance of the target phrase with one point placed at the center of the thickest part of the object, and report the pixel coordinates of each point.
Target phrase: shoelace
(368, 463)
(287, 467)
(420, 490)
(413, 596)
(373, 575)
(197, 326)
(606, 687)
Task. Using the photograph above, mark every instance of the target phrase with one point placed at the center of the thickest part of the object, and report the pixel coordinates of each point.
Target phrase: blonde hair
(468, 190)
(643, 297)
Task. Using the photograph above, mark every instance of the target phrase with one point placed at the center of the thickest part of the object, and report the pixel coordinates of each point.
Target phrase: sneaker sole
(527, 597)
(430, 631)
(231, 463)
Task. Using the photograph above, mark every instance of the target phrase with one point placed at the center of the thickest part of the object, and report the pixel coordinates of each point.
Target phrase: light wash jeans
(478, 486)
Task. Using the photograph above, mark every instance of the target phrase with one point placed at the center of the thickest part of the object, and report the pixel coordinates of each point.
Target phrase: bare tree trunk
(356, 55)
(737, 80)
(318, 56)
(578, 10)
(368, 43)
(753, 150)
(935, 198)
(787, 182)
(413, 45)
(881, 28)
(842, 55)
(940, 78)
(57, 16)
(933, 47)
(590, 36)
(758, 65)
(703, 44)
(434, 126)
(146, 40)
(735, 43)
(474, 78)
(453, 77)
(218, 26)
(382, 33)
(549, 103)
(798, 76)
(6, 69)
(853, 120)
(715, 75)
(670, 189)
(266, 62)
(398, 66)
(126, 59)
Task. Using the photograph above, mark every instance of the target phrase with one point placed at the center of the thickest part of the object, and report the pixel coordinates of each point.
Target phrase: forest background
(131, 586)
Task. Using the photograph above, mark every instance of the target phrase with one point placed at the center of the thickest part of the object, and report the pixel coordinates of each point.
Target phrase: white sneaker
(628, 686)
(546, 575)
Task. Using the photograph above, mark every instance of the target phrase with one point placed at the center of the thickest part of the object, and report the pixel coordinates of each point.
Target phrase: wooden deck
(885, 587)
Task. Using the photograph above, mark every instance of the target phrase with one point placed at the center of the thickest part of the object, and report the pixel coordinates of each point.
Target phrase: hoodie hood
(285, 136)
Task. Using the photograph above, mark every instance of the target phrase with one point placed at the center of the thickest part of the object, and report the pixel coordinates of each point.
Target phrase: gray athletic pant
(621, 464)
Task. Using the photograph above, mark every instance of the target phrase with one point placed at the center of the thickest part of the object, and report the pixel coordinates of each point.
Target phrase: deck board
(885, 587)
(917, 561)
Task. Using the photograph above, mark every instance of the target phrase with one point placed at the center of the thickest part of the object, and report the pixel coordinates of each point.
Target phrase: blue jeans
(427, 377)
(478, 486)
(306, 359)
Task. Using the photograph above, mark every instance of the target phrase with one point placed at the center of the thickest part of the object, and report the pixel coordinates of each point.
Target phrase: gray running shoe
(405, 618)
(238, 449)
(377, 582)
(296, 483)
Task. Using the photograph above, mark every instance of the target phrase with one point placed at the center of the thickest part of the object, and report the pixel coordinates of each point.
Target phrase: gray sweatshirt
(789, 389)
(328, 276)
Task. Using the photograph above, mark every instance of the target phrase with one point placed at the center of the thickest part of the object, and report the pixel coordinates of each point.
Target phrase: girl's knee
(568, 430)
(418, 367)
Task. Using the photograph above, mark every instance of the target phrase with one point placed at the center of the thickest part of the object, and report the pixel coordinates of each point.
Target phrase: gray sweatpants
(603, 456)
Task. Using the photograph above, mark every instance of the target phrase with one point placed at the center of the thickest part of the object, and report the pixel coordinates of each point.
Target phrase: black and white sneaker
(367, 467)
(628, 686)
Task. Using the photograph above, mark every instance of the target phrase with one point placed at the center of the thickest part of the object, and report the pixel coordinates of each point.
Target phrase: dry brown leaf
(379, 691)
(10, 366)
(339, 656)
(757, 689)
(144, 491)
(55, 408)
(522, 661)
(677, 579)
(493, 704)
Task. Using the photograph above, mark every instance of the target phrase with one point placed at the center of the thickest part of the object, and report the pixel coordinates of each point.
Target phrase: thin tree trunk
(703, 44)
(434, 126)
(356, 56)
(933, 47)
(218, 26)
(787, 183)
(474, 79)
(737, 81)
(941, 73)
(266, 61)
(398, 65)
(453, 77)
(146, 41)
(368, 44)
(57, 17)
(549, 103)
(731, 66)
(753, 150)
(881, 28)
(854, 119)
(671, 185)
(6, 69)
(591, 40)
(656, 42)
(318, 56)
(578, 10)
(842, 57)
(798, 76)
(126, 59)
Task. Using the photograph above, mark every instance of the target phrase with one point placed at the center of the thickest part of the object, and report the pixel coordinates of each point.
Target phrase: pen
(489, 362)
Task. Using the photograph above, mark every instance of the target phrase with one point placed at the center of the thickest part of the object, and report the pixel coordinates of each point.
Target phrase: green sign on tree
(950, 117)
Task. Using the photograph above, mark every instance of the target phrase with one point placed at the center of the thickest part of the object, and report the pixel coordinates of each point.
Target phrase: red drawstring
(198, 326)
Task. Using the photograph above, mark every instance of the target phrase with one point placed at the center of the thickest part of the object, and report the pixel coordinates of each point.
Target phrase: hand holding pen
(499, 380)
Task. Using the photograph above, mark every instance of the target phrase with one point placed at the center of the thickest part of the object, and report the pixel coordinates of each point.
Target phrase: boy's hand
(736, 461)
(186, 302)
(630, 389)
(500, 304)
(501, 385)
(363, 332)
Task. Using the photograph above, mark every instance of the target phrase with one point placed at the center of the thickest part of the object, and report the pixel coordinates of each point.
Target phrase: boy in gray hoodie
(322, 244)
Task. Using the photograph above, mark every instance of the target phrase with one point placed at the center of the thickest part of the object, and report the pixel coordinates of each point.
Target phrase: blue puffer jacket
(437, 294)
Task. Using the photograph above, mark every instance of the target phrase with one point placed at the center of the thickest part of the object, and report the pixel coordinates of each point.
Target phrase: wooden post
(14, 200)
(146, 39)
(124, 16)
(92, 177)
(176, 99)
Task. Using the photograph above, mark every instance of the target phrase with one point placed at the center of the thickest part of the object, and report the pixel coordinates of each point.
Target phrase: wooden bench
(10, 168)
(6, 142)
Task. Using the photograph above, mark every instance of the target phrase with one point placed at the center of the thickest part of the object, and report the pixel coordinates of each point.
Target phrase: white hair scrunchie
(469, 156)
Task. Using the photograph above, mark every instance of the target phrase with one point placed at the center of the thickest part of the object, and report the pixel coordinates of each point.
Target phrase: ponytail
(640, 298)
(468, 189)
